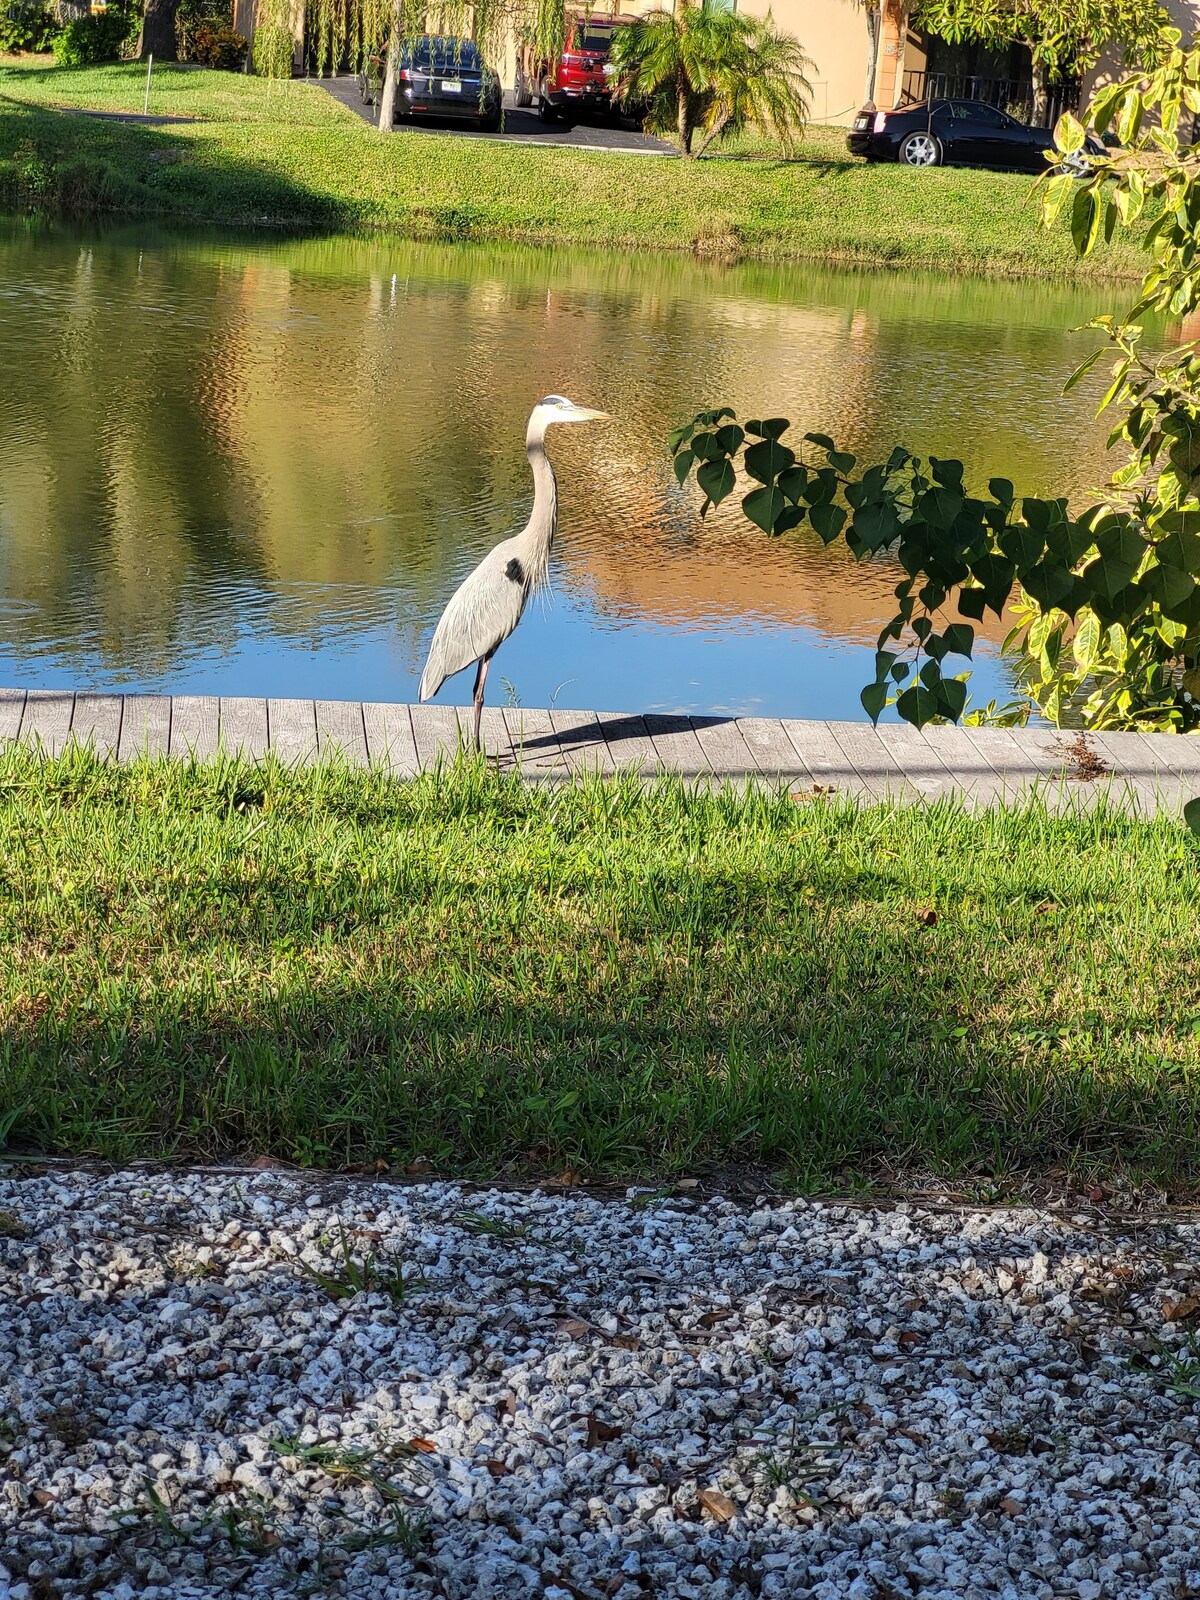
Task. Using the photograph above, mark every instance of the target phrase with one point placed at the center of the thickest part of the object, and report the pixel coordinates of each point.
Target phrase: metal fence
(1014, 95)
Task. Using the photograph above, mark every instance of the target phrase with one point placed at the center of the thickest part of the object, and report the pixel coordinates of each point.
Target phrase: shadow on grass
(331, 967)
(65, 163)
(827, 1076)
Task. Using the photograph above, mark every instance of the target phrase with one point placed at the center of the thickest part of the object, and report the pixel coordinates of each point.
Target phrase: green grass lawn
(290, 155)
(334, 968)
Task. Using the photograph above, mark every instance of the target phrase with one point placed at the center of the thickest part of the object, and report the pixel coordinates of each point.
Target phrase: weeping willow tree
(347, 33)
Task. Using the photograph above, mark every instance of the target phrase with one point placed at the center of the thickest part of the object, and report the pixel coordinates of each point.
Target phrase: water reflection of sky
(564, 654)
(243, 468)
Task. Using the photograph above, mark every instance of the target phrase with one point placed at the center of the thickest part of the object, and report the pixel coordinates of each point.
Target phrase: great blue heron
(487, 605)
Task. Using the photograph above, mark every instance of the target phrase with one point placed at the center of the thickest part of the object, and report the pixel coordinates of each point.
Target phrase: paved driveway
(520, 127)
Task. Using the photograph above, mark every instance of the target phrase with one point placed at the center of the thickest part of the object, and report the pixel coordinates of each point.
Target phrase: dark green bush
(26, 25)
(272, 52)
(192, 16)
(89, 40)
(220, 47)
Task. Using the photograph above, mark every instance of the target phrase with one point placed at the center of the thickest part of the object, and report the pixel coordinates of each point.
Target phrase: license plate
(862, 122)
(451, 86)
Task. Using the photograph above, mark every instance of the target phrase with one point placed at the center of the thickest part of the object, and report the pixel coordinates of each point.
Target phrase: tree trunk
(387, 97)
(683, 92)
(1041, 95)
(715, 132)
(874, 25)
(158, 31)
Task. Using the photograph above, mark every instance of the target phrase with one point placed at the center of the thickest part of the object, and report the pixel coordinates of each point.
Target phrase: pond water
(245, 467)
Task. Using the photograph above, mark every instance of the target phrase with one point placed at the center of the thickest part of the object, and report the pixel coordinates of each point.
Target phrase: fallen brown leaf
(625, 1341)
(425, 1446)
(711, 1318)
(1181, 1310)
(43, 1497)
(1013, 1507)
(496, 1468)
(927, 916)
(569, 1178)
(574, 1327)
(599, 1433)
(719, 1506)
(908, 1339)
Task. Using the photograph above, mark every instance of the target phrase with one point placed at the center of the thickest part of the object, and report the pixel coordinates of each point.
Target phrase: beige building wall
(1184, 14)
(834, 35)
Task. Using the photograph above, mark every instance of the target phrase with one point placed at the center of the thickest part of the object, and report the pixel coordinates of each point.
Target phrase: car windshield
(443, 55)
(593, 36)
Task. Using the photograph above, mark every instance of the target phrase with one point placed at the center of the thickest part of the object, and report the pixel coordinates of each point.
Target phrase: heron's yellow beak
(585, 414)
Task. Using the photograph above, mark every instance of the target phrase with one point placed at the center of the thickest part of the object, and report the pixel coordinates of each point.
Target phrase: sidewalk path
(1146, 772)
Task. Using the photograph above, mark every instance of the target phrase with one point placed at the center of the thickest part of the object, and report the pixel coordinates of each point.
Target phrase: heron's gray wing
(483, 611)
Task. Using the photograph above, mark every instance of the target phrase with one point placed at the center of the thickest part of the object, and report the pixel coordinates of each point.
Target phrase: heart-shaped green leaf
(767, 459)
(828, 521)
(874, 699)
(716, 478)
(763, 507)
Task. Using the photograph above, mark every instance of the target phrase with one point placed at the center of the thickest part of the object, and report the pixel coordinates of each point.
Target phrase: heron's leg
(480, 679)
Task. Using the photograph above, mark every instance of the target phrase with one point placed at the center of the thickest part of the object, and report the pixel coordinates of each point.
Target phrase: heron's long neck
(538, 535)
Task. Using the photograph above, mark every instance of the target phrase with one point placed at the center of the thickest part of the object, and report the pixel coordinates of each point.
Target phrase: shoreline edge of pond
(294, 158)
(1142, 773)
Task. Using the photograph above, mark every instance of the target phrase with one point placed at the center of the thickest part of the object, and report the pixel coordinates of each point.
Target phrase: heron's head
(557, 408)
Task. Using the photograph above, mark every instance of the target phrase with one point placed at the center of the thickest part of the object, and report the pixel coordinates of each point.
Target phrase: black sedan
(963, 131)
(439, 78)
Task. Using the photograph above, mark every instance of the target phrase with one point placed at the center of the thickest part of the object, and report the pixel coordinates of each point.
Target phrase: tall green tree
(702, 74)
(1064, 37)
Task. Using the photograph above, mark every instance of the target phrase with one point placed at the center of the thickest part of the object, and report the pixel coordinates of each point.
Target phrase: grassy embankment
(337, 968)
(291, 156)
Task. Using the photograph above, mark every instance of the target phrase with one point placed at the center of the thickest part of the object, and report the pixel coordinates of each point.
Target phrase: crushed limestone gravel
(262, 1384)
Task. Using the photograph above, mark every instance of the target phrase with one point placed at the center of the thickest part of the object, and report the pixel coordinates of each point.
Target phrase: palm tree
(702, 74)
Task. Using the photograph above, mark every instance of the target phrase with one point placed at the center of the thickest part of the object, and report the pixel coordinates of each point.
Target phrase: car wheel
(546, 112)
(490, 123)
(1076, 165)
(921, 149)
(522, 93)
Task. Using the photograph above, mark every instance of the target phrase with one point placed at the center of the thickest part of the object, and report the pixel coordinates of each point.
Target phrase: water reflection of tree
(337, 423)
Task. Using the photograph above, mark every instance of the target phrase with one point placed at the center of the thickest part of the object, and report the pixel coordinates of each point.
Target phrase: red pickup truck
(581, 78)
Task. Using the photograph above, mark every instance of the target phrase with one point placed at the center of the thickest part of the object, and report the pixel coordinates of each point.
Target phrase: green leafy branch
(977, 553)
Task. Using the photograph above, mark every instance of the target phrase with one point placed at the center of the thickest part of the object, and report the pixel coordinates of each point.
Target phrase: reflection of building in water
(315, 439)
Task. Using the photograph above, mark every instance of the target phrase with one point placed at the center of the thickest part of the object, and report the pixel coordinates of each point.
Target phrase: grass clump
(289, 155)
(335, 968)
(369, 1273)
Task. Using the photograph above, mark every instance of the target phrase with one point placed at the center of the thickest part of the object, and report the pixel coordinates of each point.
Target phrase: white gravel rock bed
(610, 1399)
